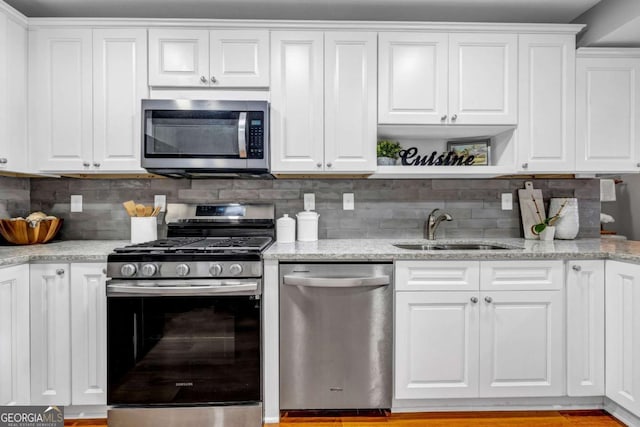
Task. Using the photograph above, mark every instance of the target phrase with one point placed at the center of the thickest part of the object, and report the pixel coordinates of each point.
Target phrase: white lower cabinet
(68, 334)
(482, 342)
(622, 345)
(14, 335)
(585, 328)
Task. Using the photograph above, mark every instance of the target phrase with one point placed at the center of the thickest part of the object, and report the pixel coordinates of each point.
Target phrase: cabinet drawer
(437, 275)
(521, 275)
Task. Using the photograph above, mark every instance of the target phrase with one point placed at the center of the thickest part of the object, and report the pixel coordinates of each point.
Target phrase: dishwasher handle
(336, 282)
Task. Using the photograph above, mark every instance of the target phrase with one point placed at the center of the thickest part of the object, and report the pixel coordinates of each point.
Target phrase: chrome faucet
(432, 222)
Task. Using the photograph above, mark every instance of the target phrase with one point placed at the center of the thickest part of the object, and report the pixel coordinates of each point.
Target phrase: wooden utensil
(156, 211)
(148, 210)
(139, 210)
(130, 206)
(530, 198)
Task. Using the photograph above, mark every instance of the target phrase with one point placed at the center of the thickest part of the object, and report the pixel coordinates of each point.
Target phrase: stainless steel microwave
(194, 138)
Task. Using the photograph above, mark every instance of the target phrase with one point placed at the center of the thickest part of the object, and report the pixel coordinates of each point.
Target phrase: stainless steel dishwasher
(335, 336)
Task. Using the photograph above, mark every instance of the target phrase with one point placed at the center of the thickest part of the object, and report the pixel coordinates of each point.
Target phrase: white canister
(307, 226)
(144, 229)
(568, 224)
(286, 229)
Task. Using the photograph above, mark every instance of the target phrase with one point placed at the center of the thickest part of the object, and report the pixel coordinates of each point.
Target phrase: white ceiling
(553, 11)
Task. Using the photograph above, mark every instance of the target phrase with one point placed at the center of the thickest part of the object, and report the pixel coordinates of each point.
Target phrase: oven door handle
(336, 282)
(242, 135)
(230, 288)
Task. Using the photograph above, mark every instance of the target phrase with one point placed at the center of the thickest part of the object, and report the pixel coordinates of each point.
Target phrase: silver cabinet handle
(97, 165)
(242, 138)
(638, 165)
(86, 164)
(213, 79)
(576, 268)
(203, 79)
(336, 282)
(443, 118)
(488, 299)
(104, 271)
(60, 271)
(329, 165)
(525, 165)
(474, 299)
(3, 161)
(319, 165)
(454, 117)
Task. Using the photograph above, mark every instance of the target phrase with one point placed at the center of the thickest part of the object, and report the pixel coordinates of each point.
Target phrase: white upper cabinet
(323, 94)
(203, 58)
(85, 103)
(546, 123)
(13, 94)
(608, 110)
(457, 78)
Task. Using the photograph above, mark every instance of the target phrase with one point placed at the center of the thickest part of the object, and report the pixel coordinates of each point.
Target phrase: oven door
(182, 346)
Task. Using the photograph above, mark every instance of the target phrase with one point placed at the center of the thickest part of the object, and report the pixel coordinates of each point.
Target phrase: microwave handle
(242, 135)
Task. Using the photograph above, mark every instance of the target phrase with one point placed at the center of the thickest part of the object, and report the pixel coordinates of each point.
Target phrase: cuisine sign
(474, 153)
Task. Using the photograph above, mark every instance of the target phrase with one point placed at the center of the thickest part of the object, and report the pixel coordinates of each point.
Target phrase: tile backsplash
(14, 196)
(383, 208)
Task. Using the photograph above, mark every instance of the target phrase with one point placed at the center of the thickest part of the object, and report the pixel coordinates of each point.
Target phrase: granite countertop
(66, 251)
(383, 250)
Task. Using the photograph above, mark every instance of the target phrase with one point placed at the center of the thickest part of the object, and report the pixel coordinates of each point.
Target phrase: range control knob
(215, 270)
(235, 269)
(182, 270)
(149, 270)
(128, 270)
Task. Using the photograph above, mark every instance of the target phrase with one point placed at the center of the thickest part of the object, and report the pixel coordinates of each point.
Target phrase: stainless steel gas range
(184, 320)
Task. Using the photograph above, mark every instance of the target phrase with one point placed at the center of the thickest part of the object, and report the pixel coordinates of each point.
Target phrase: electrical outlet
(76, 203)
(309, 201)
(348, 203)
(161, 201)
(507, 201)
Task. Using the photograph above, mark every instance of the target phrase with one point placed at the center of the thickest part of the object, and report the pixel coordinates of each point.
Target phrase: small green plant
(545, 222)
(387, 148)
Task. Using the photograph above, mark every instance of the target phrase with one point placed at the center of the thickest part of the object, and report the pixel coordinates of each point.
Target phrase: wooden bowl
(20, 233)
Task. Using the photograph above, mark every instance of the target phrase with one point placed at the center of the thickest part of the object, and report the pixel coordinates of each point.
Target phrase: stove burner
(184, 245)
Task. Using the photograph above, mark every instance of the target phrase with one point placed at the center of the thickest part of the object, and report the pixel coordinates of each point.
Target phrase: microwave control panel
(256, 135)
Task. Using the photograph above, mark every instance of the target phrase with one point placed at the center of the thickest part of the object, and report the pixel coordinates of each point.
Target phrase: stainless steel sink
(453, 246)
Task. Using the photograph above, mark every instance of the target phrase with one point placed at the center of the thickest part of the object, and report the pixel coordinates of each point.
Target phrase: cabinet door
(14, 335)
(436, 345)
(61, 119)
(239, 58)
(413, 85)
(483, 70)
(546, 124)
(622, 347)
(607, 114)
(297, 106)
(585, 328)
(521, 344)
(350, 102)
(88, 334)
(13, 96)
(50, 340)
(119, 85)
(178, 57)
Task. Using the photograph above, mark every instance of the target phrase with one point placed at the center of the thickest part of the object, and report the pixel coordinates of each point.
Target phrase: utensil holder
(143, 229)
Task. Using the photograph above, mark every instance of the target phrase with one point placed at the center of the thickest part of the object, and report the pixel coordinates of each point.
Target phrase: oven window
(183, 350)
(191, 134)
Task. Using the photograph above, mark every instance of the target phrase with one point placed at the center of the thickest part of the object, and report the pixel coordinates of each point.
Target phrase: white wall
(611, 23)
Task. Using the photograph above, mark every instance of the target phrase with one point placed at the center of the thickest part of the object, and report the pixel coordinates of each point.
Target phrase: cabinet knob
(60, 271)
(638, 165)
(454, 117)
(319, 165)
(443, 118)
(329, 165)
(488, 299)
(203, 79)
(97, 165)
(576, 268)
(104, 271)
(213, 79)
(3, 161)
(86, 164)
(474, 299)
(525, 165)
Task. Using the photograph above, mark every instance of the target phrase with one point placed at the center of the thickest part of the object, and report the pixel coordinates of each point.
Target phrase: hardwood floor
(440, 419)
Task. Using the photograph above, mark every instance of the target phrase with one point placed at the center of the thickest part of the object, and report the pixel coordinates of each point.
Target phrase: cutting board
(526, 197)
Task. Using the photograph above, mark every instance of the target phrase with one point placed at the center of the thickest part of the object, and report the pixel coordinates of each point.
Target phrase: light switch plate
(76, 203)
(309, 201)
(507, 201)
(348, 203)
(160, 200)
